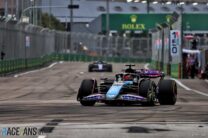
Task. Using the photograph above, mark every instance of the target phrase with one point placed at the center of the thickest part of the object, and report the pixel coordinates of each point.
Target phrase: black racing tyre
(110, 68)
(204, 75)
(90, 68)
(167, 92)
(147, 90)
(87, 87)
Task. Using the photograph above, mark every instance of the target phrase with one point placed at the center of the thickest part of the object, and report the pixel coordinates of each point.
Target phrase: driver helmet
(128, 77)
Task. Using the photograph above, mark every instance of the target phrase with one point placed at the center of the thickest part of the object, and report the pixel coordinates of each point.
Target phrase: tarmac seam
(49, 127)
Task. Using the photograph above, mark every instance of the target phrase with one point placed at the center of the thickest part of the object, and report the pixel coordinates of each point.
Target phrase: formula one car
(130, 87)
(100, 66)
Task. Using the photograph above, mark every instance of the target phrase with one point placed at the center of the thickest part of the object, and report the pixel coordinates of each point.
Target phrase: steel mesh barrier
(26, 46)
(161, 56)
(202, 42)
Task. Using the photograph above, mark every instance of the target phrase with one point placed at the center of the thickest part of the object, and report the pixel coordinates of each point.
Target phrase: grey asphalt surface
(39, 98)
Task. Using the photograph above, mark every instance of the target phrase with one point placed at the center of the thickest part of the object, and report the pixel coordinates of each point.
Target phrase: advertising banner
(175, 42)
(27, 41)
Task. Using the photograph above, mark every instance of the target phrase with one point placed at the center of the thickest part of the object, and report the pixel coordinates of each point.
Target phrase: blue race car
(100, 66)
(130, 87)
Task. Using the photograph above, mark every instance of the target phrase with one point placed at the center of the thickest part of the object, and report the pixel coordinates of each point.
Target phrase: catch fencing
(25, 46)
(161, 57)
(161, 52)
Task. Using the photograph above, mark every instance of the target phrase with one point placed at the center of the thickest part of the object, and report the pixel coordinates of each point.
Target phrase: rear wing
(145, 73)
(130, 65)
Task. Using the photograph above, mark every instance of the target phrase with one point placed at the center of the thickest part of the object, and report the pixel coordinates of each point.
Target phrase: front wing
(123, 97)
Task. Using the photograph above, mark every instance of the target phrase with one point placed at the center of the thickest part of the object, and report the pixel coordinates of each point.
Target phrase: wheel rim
(151, 94)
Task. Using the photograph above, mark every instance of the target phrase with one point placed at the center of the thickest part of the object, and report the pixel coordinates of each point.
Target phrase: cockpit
(127, 77)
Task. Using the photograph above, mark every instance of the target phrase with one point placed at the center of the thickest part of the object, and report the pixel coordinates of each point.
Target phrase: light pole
(71, 6)
(32, 14)
(181, 54)
(50, 13)
(17, 9)
(71, 26)
(107, 17)
(107, 26)
(148, 6)
(5, 8)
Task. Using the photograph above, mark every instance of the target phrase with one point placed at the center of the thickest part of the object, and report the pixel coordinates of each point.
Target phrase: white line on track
(189, 89)
(81, 72)
(21, 74)
(146, 66)
(63, 101)
(181, 84)
(129, 123)
(199, 92)
(42, 136)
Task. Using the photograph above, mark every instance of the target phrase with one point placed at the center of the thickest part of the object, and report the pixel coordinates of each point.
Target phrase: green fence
(17, 65)
(86, 58)
(10, 66)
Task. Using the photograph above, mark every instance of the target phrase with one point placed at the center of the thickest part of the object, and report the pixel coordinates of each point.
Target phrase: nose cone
(114, 91)
(110, 96)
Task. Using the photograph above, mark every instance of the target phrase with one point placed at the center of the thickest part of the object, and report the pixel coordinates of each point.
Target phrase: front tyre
(167, 94)
(88, 86)
(90, 68)
(147, 90)
(110, 68)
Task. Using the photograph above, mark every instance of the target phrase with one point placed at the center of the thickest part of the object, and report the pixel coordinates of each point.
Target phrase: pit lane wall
(166, 49)
(25, 46)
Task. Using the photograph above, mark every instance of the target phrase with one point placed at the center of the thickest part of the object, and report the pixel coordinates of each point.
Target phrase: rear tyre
(167, 94)
(147, 90)
(87, 87)
(90, 68)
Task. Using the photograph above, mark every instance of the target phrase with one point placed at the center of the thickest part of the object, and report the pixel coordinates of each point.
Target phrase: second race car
(100, 66)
